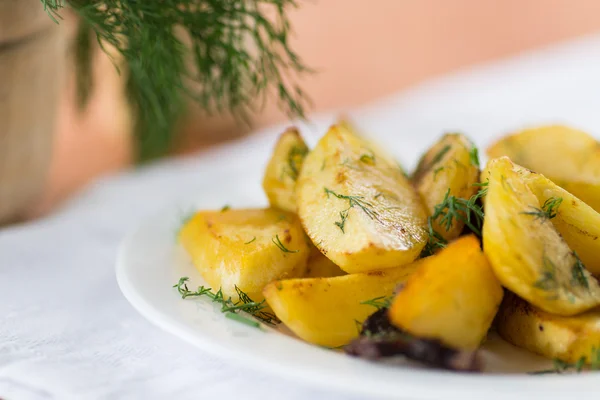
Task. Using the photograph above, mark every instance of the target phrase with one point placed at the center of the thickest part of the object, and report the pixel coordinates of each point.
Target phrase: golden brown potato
(568, 157)
(566, 338)
(319, 266)
(526, 252)
(453, 296)
(328, 311)
(578, 223)
(357, 207)
(450, 164)
(282, 171)
(245, 248)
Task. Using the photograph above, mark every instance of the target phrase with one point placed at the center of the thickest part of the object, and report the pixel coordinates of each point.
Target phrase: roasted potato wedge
(568, 157)
(525, 250)
(245, 248)
(328, 311)
(566, 338)
(357, 207)
(282, 171)
(452, 165)
(319, 266)
(578, 223)
(452, 297)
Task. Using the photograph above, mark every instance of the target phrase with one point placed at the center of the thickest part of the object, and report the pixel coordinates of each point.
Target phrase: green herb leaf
(578, 273)
(228, 306)
(225, 55)
(379, 302)
(281, 247)
(474, 156)
(353, 201)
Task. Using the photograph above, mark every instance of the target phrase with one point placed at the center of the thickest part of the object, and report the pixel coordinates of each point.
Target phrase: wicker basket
(31, 63)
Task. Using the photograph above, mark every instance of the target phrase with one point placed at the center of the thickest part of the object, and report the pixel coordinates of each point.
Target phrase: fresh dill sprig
(251, 240)
(548, 211)
(560, 367)
(225, 55)
(435, 241)
(226, 207)
(454, 208)
(281, 247)
(449, 211)
(425, 165)
(353, 201)
(228, 306)
(578, 273)
(379, 302)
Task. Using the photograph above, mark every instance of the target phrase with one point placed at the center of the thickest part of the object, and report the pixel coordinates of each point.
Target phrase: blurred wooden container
(32, 57)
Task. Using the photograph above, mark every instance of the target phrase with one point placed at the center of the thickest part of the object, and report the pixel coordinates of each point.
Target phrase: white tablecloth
(66, 331)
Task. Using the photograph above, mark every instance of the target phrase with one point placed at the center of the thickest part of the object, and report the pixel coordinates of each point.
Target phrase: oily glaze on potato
(328, 311)
(282, 171)
(578, 223)
(564, 338)
(453, 297)
(525, 250)
(245, 248)
(450, 164)
(357, 207)
(567, 156)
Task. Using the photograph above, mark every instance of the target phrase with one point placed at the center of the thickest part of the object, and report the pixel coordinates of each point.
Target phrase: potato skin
(447, 165)
(328, 311)
(281, 174)
(526, 252)
(577, 222)
(238, 248)
(565, 338)
(567, 156)
(357, 207)
(453, 297)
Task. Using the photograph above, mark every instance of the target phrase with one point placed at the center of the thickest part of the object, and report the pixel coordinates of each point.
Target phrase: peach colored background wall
(363, 49)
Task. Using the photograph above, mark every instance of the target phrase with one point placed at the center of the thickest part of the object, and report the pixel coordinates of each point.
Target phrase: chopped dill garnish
(379, 302)
(548, 211)
(437, 171)
(295, 159)
(226, 207)
(281, 247)
(353, 201)
(440, 155)
(368, 158)
(228, 306)
(578, 273)
(548, 280)
(342, 222)
(242, 319)
(484, 188)
(560, 367)
(474, 156)
(251, 240)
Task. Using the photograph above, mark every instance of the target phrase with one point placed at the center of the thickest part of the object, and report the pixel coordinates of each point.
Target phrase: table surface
(67, 332)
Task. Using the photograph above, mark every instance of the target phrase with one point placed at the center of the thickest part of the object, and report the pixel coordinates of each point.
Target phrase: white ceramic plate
(150, 262)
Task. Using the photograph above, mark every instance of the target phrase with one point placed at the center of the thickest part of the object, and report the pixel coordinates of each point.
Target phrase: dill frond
(227, 55)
